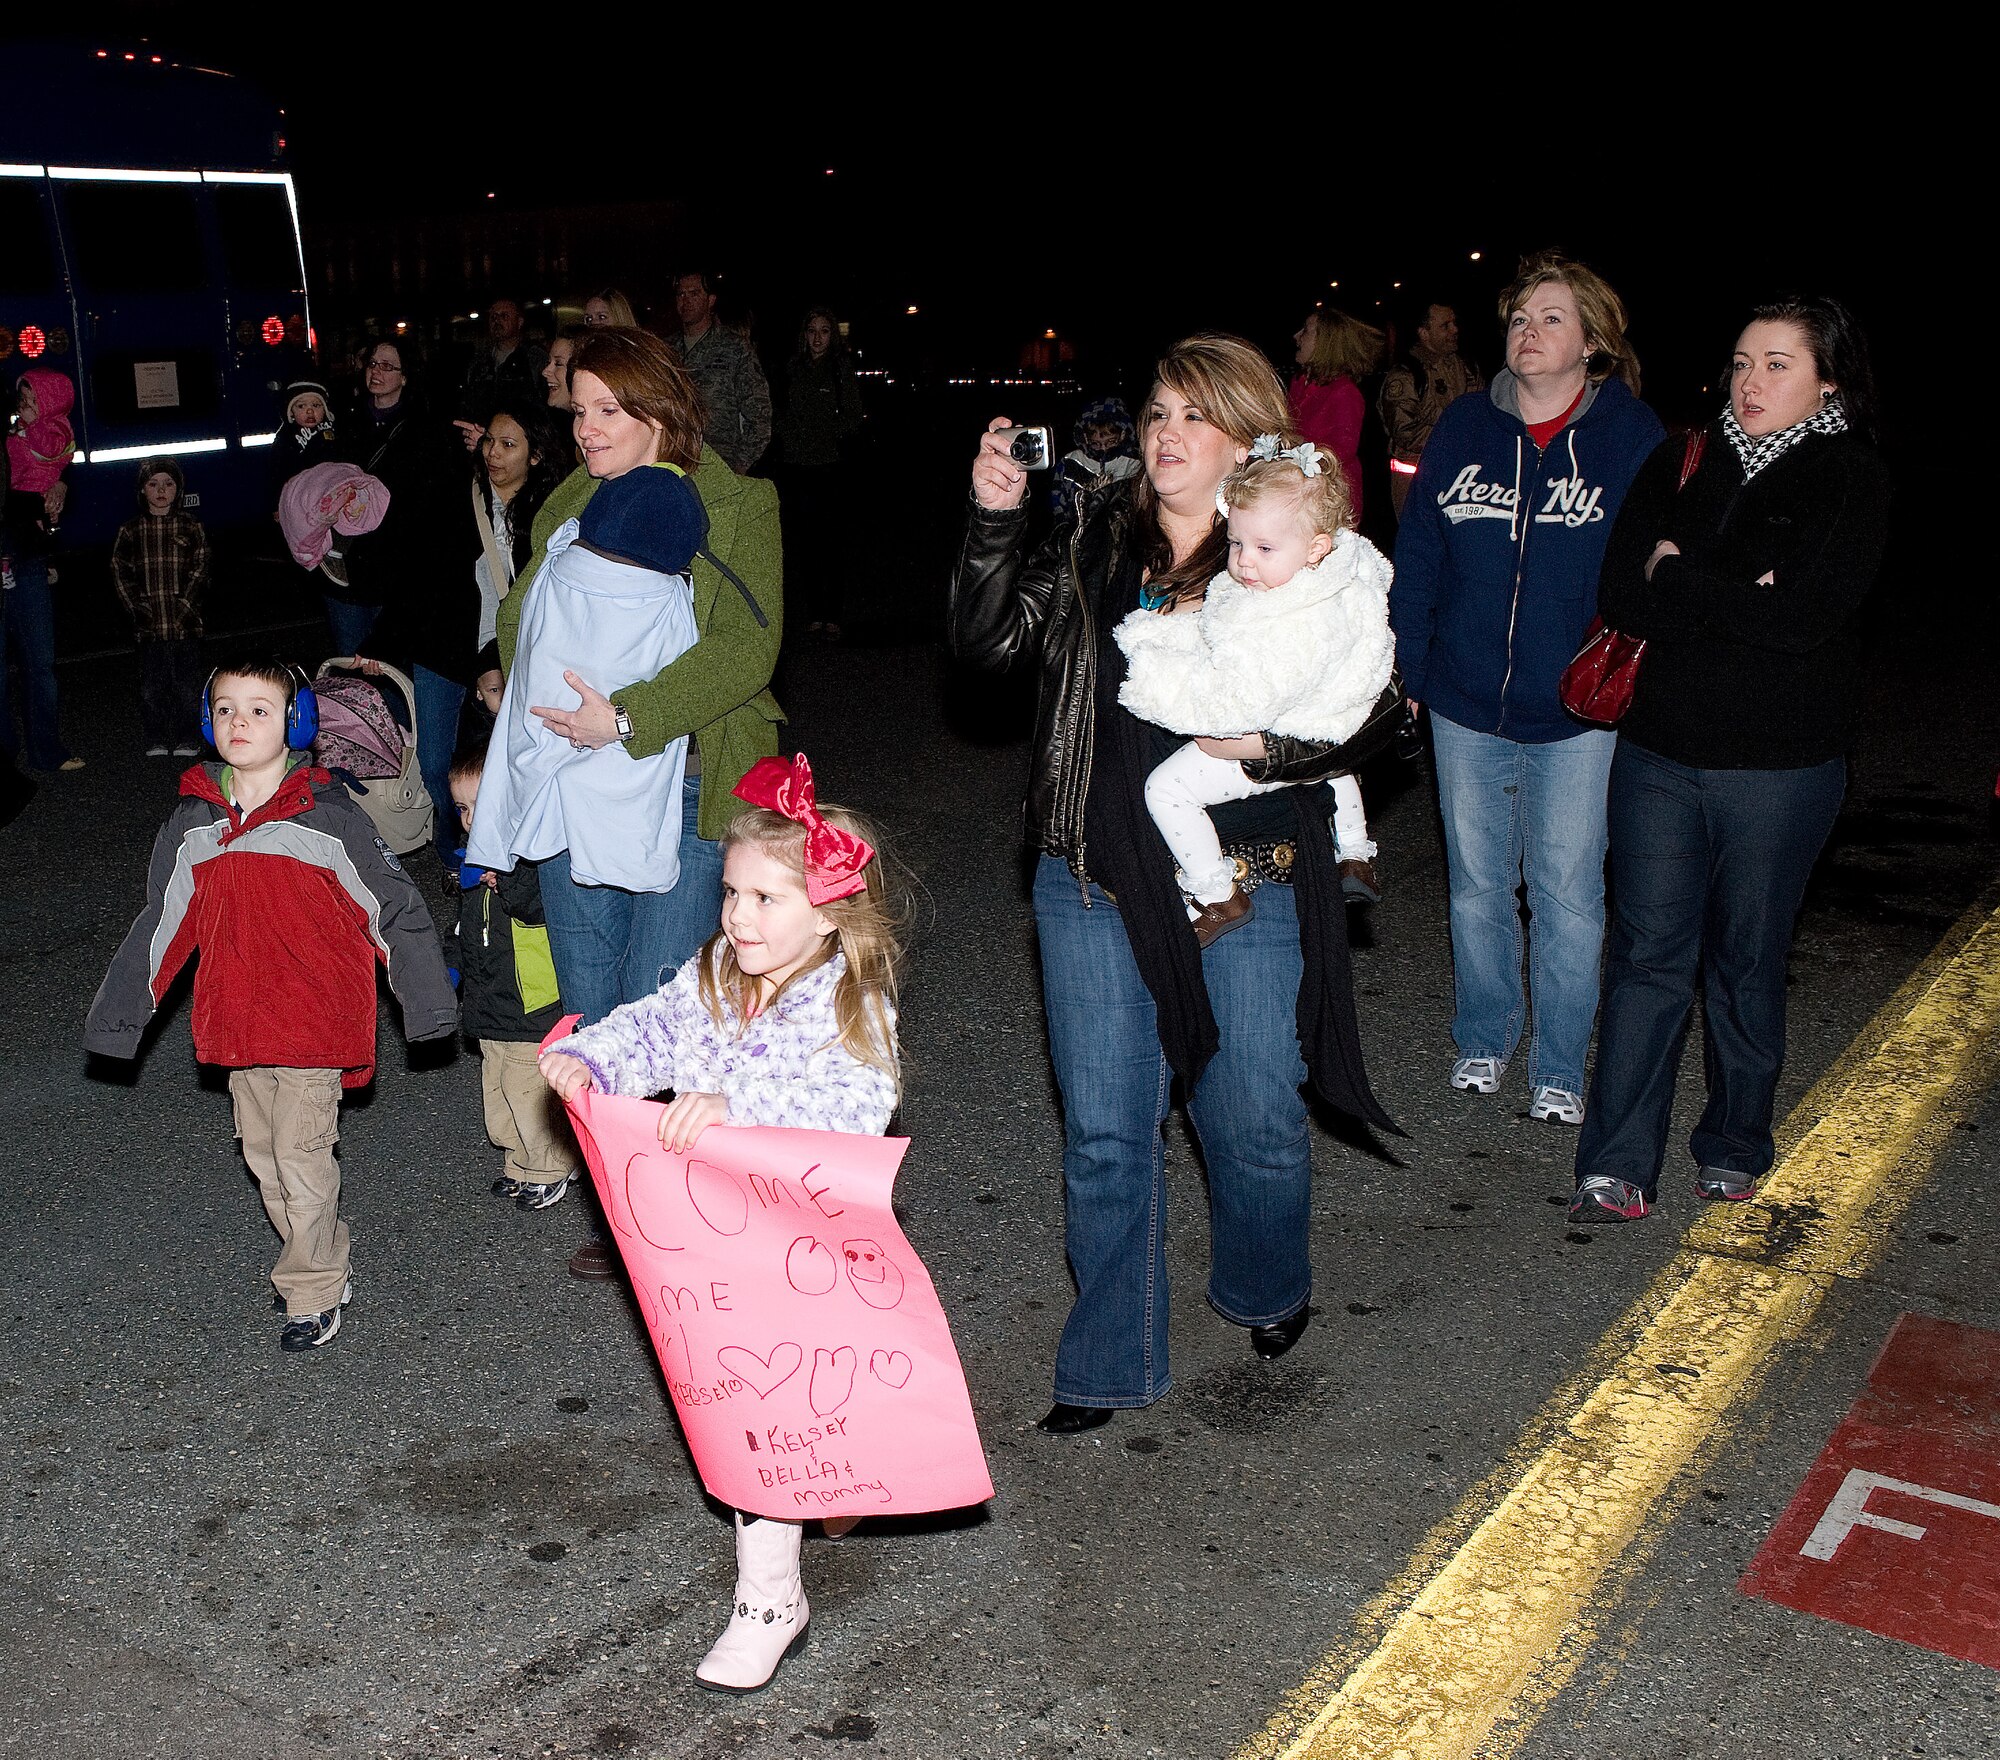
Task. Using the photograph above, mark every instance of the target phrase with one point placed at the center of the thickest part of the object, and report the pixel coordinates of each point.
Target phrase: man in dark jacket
(505, 365)
(1497, 561)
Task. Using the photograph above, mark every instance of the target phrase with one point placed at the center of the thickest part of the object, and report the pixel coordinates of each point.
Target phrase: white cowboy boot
(768, 1621)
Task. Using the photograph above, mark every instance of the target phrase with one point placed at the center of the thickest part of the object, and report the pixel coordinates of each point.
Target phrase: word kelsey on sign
(800, 1336)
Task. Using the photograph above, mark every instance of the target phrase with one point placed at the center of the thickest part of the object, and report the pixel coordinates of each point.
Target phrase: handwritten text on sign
(800, 1335)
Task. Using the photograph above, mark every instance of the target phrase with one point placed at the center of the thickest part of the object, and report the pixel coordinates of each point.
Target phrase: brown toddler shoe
(1211, 920)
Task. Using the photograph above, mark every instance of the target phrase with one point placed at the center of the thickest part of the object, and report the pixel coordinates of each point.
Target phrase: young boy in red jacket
(270, 871)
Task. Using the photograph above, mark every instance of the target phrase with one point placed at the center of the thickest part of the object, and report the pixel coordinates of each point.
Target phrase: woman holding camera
(1132, 1001)
(1741, 557)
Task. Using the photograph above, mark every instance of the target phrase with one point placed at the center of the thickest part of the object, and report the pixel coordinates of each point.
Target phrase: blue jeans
(349, 624)
(1247, 1111)
(611, 946)
(28, 640)
(1516, 813)
(439, 701)
(1708, 870)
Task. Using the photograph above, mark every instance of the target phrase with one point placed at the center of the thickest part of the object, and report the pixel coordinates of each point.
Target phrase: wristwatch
(622, 718)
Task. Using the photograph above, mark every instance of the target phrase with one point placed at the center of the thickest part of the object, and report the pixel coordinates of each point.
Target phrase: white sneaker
(1558, 1104)
(768, 1619)
(1478, 1075)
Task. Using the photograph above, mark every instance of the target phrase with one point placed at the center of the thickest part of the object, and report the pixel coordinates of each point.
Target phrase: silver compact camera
(1030, 448)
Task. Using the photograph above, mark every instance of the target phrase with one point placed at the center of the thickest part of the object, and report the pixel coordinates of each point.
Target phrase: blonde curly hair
(1322, 500)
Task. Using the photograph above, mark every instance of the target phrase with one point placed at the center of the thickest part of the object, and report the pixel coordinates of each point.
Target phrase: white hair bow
(1305, 455)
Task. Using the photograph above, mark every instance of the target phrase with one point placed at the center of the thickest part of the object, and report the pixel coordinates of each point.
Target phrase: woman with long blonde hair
(1133, 1002)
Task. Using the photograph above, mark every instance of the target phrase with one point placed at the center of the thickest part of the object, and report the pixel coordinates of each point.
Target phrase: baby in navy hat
(612, 603)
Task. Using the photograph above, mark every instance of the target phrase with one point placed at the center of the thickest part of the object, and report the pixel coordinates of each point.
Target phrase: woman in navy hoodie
(1497, 561)
(1746, 582)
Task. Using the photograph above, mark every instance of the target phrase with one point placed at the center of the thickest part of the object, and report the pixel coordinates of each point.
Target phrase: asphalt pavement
(470, 1528)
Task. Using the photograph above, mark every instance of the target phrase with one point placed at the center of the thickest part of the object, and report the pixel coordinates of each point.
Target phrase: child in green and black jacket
(509, 1002)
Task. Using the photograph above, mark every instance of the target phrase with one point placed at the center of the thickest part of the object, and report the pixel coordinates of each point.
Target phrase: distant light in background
(1333, 284)
(32, 341)
(489, 195)
(402, 324)
(909, 311)
(1395, 284)
(1475, 256)
(1049, 335)
(273, 331)
(472, 314)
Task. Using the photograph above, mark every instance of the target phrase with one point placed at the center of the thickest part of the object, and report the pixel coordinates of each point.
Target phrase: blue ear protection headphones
(301, 713)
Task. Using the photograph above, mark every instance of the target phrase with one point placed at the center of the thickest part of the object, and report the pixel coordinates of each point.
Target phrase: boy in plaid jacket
(159, 565)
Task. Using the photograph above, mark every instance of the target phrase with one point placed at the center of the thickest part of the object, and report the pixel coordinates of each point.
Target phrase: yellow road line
(1476, 1639)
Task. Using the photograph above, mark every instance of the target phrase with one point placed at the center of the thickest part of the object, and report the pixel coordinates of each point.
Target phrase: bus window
(134, 237)
(27, 265)
(259, 246)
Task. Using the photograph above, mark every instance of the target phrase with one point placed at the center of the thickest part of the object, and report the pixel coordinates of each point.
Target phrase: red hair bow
(834, 858)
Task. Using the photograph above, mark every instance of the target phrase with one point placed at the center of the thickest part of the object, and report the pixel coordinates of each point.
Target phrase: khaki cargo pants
(288, 1121)
(523, 1115)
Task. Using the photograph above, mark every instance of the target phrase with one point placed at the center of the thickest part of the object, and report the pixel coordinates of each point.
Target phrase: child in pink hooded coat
(43, 442)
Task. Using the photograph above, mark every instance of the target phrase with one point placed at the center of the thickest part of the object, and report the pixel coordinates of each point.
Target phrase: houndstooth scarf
(1769, 448)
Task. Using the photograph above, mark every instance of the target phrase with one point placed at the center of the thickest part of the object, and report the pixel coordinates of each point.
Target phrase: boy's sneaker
(309, 1331)
(1719, 1185)
(1478, 1075)
(503, 1187)
(1558, 1104)
(534, 1197)
(1603, 1199)
(156, 750)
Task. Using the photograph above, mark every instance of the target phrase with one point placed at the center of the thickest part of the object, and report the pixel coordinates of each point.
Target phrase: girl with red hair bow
(787, 1017)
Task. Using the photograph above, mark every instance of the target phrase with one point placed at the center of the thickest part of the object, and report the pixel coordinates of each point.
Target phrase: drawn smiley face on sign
(874, 1276)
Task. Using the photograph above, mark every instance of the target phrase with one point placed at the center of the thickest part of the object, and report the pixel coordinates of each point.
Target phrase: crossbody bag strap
(497, 565)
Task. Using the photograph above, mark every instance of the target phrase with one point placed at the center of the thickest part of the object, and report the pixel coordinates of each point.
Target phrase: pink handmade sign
(800, 1336)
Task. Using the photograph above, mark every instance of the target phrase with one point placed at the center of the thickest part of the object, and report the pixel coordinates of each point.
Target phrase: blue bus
(149, 250)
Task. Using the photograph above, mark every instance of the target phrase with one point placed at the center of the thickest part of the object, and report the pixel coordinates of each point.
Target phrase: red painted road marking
(1897, 1527)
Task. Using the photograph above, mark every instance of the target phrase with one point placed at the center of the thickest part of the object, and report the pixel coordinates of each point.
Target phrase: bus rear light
(32, 341)
(273, 331)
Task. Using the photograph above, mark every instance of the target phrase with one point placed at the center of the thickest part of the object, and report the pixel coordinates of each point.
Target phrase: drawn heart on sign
(832, 1379)
(892, 1367)
(764, 1374)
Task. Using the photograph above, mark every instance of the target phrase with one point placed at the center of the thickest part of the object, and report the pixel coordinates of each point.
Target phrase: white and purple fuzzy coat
(786, 1068)
(1306, 660)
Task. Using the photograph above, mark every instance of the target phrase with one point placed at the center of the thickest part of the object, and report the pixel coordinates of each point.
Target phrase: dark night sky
(1122, 210)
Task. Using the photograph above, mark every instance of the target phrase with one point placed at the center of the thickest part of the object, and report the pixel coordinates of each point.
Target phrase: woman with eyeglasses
(394, 438)
(1742, 557)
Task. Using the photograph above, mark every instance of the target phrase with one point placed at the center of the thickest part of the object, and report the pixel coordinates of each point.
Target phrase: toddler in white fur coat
(1292, 639)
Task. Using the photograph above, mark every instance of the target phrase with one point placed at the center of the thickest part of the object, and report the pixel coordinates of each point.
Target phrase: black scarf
(1126, 855)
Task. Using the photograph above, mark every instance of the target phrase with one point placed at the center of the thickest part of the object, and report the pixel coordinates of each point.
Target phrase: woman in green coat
(633, 406)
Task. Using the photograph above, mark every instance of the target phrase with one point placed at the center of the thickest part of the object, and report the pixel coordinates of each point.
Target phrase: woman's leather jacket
(1007, 608)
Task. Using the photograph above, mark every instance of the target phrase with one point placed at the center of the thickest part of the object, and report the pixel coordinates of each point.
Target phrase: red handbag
(1597, 685)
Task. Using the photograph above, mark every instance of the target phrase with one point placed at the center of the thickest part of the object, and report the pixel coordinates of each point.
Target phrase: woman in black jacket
(1132, 1000)
(1745, 576)
(821, 418)
(442, 617)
